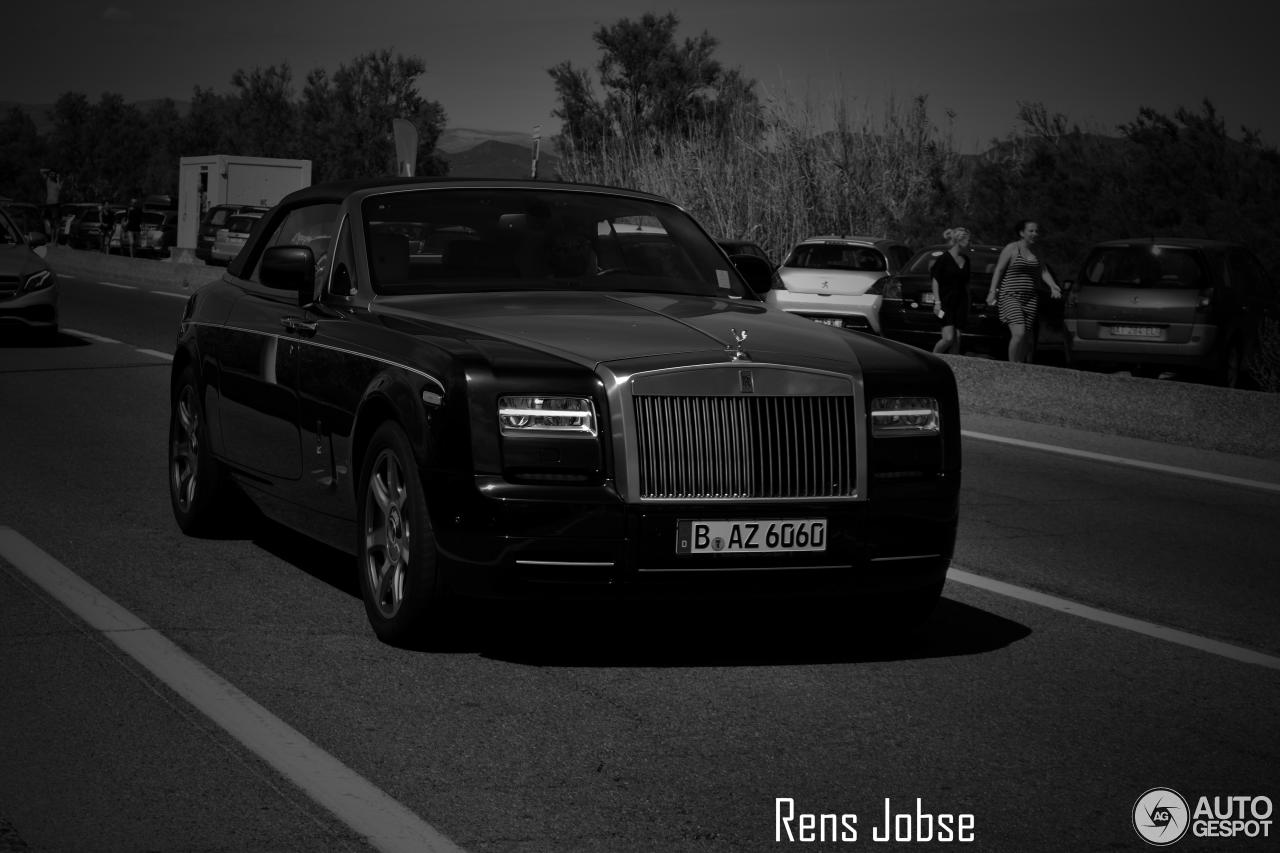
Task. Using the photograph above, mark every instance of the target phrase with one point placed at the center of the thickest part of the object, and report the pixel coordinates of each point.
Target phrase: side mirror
(756, 272)
(37, 238)
(290, 268)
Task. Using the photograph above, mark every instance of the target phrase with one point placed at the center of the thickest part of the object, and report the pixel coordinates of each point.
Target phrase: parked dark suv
(1170, 303)
(907, 312)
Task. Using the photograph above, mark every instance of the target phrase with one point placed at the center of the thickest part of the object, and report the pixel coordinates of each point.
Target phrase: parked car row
(1146, 304)
(102, 229)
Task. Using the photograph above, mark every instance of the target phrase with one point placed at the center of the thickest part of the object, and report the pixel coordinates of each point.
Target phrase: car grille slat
(724, 448)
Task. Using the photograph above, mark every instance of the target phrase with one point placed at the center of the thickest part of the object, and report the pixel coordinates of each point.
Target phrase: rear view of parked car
(159, 232)
(1170, 303)
(231, 238)
(827, 279)
(214, 219)
(91, 230)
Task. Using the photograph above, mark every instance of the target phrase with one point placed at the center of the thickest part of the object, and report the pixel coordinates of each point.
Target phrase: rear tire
(396, 550)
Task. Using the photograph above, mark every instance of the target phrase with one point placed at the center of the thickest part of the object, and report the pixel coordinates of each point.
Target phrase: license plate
(1137, 331)
(762, 536)
(829, 321)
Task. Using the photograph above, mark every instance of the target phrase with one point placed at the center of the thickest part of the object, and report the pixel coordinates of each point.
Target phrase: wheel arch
(388, 399)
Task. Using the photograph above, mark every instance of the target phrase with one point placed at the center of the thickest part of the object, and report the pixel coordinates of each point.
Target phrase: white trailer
(230, 179)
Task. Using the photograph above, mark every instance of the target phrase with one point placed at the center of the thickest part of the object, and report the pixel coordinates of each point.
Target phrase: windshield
(464, 240)
(1145, 266)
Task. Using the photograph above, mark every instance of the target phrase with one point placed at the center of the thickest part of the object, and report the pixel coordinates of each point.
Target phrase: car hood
(594, 328)
(19, 261)
(834, 282)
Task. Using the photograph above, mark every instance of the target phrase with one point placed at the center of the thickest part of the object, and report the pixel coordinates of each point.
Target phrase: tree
(164, 134)
(652, 86)
(346, 122)
(21, 150)
(262, 115)
(1197, 181)
(206, 129)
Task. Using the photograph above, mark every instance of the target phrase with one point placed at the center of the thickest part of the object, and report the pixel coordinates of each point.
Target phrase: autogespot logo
(1161, 817)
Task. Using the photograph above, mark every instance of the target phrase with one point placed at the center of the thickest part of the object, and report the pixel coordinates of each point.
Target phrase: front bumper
(509, 545)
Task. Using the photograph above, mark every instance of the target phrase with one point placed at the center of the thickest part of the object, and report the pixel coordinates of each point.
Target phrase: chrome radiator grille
(723, 448)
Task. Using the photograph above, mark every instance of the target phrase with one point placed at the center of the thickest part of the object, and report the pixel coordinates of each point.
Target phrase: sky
(1097, 62)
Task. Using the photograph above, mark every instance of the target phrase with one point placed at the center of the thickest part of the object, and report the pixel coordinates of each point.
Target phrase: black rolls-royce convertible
(507, 389)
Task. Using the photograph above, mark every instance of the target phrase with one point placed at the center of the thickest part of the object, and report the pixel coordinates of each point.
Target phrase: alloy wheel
(387, 533)
(184, 467)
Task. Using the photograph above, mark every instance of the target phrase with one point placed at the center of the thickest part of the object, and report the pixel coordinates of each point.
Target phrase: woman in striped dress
(1013, 289)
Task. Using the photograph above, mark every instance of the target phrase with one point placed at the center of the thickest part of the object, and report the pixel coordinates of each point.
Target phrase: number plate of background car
(829, 321)
(1137, 331)
(764, 536)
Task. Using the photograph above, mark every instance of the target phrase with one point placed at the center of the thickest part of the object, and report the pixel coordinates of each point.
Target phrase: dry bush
(1263, 364)
(789, 172)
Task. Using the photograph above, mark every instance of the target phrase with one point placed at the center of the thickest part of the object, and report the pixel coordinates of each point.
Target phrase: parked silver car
(827, 279)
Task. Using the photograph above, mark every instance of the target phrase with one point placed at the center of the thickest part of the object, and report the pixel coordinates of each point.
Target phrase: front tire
(396, 552)
(196, 483)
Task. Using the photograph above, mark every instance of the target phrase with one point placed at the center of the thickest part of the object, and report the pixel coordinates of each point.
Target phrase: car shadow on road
(685, 635)
(322, 562)
(668, 633)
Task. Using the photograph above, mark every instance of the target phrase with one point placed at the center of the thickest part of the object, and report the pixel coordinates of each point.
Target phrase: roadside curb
(181, 269)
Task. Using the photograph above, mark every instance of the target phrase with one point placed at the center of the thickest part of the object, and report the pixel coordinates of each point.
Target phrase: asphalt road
(1109, 628)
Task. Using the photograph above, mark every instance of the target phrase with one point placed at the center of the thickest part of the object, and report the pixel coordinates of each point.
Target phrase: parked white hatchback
(826, 278)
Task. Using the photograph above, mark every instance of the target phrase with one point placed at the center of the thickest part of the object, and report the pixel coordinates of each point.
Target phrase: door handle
(298, 326)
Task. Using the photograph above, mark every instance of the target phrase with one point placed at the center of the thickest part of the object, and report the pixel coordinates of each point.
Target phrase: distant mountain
(493, 158)
(455, 139)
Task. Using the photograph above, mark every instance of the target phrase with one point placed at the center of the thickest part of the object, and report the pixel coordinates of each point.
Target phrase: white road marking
(155, 352)
(121, 286)
(90, 336)
(182, 296)
(1121, 460)
(384, 822)
(1150, 629)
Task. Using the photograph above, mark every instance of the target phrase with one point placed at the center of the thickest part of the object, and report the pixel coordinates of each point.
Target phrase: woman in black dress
(950, 273)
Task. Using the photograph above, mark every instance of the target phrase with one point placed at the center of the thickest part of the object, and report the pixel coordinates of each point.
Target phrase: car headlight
(532, 414)
(38, 280)
(893, 417)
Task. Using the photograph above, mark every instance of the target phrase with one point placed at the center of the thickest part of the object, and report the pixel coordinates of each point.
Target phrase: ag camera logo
(1161, 817)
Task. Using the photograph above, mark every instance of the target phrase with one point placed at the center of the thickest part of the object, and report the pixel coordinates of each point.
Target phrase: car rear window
(983, 261)
(836, 256)
(1146, 266)
(242, 224)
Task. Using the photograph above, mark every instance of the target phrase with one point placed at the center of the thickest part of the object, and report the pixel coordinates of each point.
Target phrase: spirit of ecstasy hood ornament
(739, 354)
